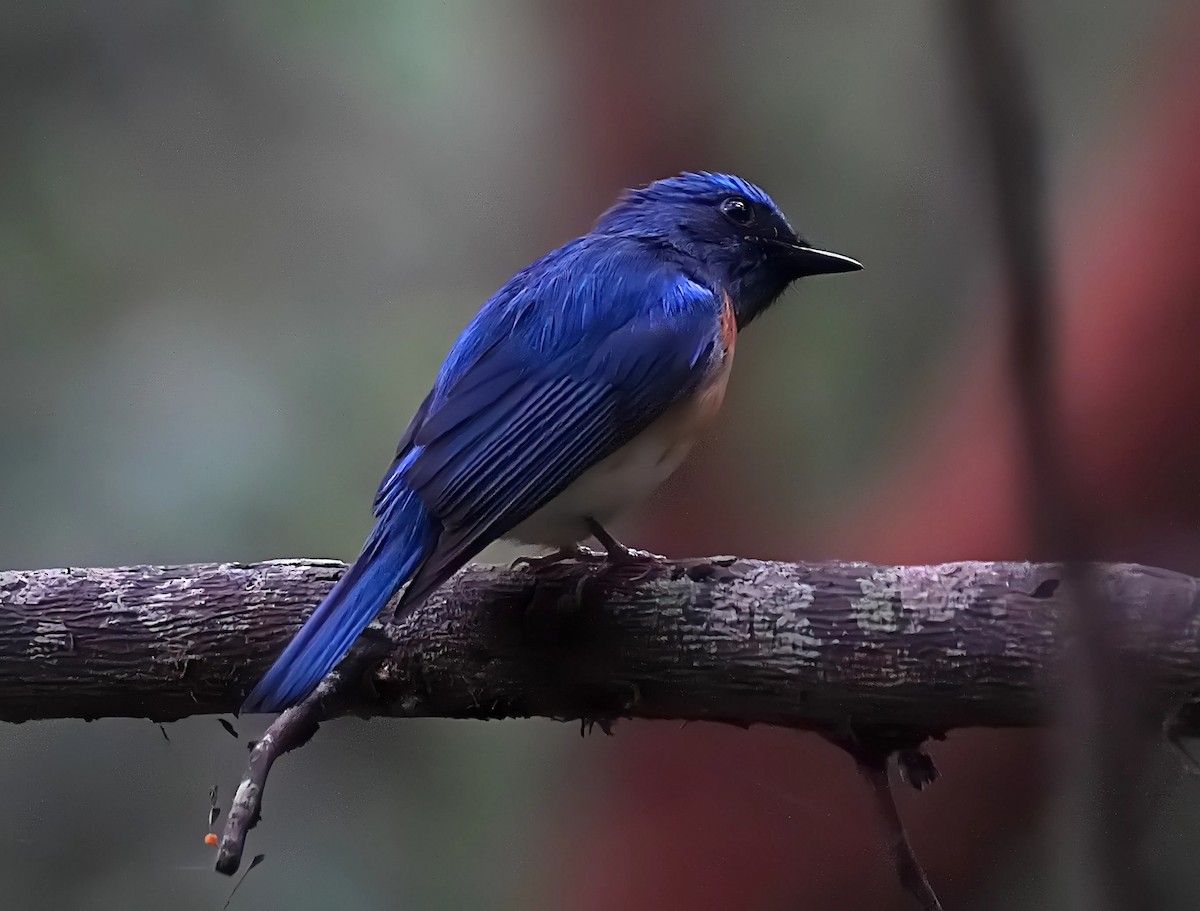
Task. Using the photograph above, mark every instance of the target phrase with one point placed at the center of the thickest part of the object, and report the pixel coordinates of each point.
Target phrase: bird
(575, 391)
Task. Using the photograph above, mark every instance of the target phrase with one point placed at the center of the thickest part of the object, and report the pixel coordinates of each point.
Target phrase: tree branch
(877, 658)
(818, 645)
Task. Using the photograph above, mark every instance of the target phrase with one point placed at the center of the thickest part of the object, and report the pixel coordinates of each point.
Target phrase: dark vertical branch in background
(1100, 759)
(998, 81)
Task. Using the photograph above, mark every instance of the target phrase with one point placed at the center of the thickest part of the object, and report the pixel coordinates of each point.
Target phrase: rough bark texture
(836, 646)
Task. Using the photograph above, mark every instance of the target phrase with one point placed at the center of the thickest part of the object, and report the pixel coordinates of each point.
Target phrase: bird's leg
(617, 552)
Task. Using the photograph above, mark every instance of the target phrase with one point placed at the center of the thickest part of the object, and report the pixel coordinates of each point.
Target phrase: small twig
(872, 750)
(292, 729)
(214, 809)
(873, 766)
(258, 859)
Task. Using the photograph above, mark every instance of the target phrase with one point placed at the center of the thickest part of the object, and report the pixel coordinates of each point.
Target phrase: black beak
(810, 261)
(806, 260)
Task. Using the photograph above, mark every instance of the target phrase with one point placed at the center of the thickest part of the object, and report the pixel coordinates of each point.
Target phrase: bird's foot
(562, 555)
(628, 556)
(617, 554)
(634, 565)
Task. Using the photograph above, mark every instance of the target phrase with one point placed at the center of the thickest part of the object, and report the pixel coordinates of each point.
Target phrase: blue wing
(573, 357)
(570, 360)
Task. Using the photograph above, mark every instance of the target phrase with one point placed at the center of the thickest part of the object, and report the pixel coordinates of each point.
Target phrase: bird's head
(730, 229)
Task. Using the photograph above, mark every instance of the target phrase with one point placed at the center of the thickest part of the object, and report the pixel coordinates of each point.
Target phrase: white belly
(607, 489)
(624, 479)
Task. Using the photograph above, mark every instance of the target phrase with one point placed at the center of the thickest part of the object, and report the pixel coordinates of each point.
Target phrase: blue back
(572, 358)
(569, 360)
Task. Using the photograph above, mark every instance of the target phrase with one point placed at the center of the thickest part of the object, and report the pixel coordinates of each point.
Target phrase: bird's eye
(737, 210)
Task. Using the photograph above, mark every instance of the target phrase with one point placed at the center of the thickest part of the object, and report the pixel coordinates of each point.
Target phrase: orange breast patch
(728, 325)
(712, 393)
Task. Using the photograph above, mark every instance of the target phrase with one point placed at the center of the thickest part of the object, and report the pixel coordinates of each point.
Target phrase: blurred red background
(236, 241)
(723, 818)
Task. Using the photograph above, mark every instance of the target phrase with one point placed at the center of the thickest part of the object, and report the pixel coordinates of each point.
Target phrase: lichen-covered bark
(826, 645)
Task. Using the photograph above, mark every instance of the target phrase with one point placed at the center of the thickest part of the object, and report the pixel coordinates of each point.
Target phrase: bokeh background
(236, 240)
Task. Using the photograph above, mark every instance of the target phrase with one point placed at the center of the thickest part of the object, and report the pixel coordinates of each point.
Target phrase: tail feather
(399, 542)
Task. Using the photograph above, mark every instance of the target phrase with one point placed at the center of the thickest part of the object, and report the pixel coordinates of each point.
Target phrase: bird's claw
(535, 564)
(617, 558)
(628, 556)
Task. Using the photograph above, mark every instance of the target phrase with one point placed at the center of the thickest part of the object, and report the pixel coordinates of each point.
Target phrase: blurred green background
(236, 240)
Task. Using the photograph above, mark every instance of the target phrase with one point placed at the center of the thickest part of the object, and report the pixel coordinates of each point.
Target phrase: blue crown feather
(683, 189)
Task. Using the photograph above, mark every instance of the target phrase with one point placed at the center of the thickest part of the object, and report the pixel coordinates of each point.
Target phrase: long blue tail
(399, 542)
